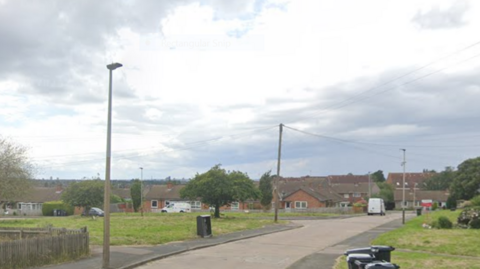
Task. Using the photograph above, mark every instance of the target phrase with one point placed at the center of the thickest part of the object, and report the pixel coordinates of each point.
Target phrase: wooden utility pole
(275, 187)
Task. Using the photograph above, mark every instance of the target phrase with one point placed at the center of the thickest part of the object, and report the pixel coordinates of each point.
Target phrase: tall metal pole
(275, 188)
(141, 191)
(369, 185)
(404, 163)
(106, 198)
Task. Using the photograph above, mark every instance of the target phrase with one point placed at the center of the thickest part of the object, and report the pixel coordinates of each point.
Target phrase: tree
(266, 189)
(440, 181)
(378, 177)
(218, 187)
(136, 192)
(466, 183)
(15, 170)
(386, 192)
(86, 193)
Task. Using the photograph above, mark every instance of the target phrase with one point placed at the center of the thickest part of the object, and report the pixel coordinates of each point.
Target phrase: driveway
(279, 250)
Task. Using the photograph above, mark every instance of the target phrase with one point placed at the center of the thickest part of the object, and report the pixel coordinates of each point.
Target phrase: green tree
(218, 187)
(266, 189)
(86, 193)
(16, 170)
(136, 192)
(386, 192)
(467, 180)
(440, 181)
(378, 177)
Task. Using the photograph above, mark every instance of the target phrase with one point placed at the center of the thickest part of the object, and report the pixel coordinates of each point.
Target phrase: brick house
(411, 179)
(414, 197)
(31, 203)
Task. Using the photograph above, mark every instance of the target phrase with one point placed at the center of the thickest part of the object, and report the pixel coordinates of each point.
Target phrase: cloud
(440, 18)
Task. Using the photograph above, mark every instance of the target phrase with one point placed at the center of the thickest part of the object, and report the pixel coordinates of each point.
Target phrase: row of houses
(294, 193)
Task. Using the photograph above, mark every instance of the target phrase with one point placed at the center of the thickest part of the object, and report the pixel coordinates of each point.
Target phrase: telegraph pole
(369, 186)
(403, 187)
(275, 187)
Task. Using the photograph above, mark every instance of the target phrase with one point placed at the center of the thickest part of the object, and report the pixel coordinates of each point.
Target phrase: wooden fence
(50, 245)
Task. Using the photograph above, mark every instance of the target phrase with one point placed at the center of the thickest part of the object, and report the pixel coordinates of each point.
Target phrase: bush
(475, 201)
(434, 206)
(474, 224)
(443, 223)
(48, 207)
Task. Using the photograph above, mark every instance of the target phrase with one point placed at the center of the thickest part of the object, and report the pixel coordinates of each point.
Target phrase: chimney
(58, 189)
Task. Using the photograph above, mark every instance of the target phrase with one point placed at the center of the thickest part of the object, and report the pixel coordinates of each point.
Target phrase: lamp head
(114, 66)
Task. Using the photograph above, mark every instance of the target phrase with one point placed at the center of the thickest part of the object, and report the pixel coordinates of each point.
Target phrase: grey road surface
(278, 250)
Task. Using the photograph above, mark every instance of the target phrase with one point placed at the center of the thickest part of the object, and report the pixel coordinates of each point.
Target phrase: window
(154, 204)
(301, 204)
(346, 195)
(196, 204)
(234, 206)
(356, 194)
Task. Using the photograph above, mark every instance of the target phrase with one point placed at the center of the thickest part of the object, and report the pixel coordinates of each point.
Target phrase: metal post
(275, 188)
(403, 187)
(106, 198)
(369, 186)
(141, 191)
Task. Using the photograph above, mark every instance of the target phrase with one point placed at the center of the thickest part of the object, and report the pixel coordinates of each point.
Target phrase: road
(279, 250)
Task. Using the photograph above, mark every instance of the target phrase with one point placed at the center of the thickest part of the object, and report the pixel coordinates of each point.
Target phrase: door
(288, 206)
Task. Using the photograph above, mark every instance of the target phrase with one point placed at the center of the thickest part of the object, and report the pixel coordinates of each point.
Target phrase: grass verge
(152, 229)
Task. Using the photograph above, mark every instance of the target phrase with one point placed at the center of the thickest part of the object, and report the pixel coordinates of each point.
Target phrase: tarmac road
(315, 245)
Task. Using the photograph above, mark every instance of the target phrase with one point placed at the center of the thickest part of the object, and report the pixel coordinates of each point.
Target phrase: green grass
(430, 248)
(152, 229)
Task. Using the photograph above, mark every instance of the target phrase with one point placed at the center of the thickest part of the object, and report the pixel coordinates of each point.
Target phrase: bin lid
(363, 257)
(358, 250)
(381, 265)
(376, 248)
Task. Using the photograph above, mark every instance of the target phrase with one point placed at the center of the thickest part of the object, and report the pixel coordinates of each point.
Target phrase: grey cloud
(437, 18)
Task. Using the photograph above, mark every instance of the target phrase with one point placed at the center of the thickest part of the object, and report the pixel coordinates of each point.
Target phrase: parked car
(95, 211)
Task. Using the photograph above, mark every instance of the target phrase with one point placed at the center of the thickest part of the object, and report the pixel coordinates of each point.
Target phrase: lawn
(418, 247)
(152, 229)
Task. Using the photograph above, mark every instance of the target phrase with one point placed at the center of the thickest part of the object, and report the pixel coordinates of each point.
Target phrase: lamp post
(403, 187)
(141, 191)
(369, 185)
(106, 198)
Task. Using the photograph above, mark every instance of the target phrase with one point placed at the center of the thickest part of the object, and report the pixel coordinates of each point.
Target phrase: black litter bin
(383, 253)
(355, 260)
(204, 226)
(381, 265)
(419, 211)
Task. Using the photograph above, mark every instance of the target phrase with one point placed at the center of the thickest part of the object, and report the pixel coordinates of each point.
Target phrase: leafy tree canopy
(15, 170)
(218, 188)
(466, 183)
(266, 189)
(440, 181)
(378, 177)
(135, 192)
(87, 194)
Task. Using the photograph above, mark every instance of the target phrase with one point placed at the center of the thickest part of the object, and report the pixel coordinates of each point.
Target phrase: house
(160, 196)
(307, 193)
(348, 179)
(414, 197)
(353, 192)
(30, 204)
(411, 179)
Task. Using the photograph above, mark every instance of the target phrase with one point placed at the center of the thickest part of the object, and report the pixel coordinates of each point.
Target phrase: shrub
(443, 223)
(434, 206)
(475, 201)
(474, 224)
(48, 207)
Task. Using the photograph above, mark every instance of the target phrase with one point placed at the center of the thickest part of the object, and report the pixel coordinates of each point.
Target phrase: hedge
(48, 207)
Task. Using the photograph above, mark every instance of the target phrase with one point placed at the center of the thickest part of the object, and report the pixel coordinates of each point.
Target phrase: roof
(355, 188)
(440, 196)
(410, 178)
(41, 195)
(124, 193)
(347, 179)
(171, 192)
(316, 187)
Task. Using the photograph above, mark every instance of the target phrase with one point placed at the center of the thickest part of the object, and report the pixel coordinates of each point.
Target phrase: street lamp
(141, 190)
(106, 198)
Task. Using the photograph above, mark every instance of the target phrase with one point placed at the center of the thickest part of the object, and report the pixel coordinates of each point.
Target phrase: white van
(177, 207)
(376, 206)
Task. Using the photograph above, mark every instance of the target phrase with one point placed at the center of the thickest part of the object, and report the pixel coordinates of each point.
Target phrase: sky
(209, 82)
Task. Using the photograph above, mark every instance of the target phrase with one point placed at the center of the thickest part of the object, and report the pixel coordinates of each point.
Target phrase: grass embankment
(152, 229)
(418, 247)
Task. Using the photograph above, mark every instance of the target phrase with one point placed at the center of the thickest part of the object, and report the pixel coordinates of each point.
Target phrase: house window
(154, 204)
(346, 195)
(301, 204)
(356, 194)
(234, 206)
(196, 204)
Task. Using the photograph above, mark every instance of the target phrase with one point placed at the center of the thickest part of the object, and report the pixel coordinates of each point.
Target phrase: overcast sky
(208, 82)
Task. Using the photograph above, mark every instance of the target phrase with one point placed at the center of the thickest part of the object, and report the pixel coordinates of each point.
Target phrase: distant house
(31, 203)
(307, 193)
(412, 180)
(347, 179)
(354, 192)
(160, 196)
(413, 198)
